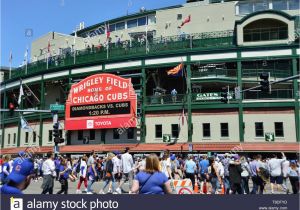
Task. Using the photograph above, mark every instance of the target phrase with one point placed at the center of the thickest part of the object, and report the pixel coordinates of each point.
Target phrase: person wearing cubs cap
(19, 178)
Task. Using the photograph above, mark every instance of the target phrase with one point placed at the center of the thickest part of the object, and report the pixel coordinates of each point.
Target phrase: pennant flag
(183, 117)
(186, 20)
(48, 47)
(25, 125)
(21, 93)
(10, 57)
(26, 54)
(176, 71)
(107, 31)
(75, 37)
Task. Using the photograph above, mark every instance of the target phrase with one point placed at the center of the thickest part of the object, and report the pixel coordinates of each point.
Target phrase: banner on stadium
(101, 101)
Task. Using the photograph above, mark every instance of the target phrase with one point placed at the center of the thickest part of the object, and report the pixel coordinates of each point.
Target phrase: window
(26, 137)
(175, 130)
(179, 16)
(80, 135)
(265, 30)
(151, 19)
(132, 23)
(293, 4)
(260, 6)
(92, 134)
(279, 4)
(15, 138)
(245, 8)
(112, 27)
(279, 129)
(158, 131)
(142, 21)
(224, 130)
(206, 129)
(120, 26)
(34, 137)
(50, 136)
(130, 133)
(8, 138)
(259, 129)
(116, 134)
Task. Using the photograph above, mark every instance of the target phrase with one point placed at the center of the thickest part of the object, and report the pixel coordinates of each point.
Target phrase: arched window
(265, 30)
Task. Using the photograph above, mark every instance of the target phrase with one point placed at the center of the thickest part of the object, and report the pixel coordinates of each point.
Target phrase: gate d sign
(269, 136)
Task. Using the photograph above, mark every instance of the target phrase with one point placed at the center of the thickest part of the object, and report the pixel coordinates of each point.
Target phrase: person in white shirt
(82, 174)
(127, 166)
(48, 169)
(274, 166)
(285, 169)
(117, 169)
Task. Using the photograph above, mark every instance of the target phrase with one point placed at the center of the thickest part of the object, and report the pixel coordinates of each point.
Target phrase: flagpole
(10, 64)
(75, 36)
(146, 35)
(26, 60)
(47, 60)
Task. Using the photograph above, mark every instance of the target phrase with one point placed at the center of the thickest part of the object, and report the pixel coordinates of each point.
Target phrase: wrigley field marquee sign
(101, 101)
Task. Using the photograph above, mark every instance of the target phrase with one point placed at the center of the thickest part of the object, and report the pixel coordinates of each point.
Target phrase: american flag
(186, 20)
(107, 31)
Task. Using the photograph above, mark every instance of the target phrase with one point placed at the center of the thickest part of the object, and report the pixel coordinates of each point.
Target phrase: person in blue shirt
(190, 169)
(151, 180)
(20, 177)
(64, 174)
(57, 166)
(92, 174)
(203, 167)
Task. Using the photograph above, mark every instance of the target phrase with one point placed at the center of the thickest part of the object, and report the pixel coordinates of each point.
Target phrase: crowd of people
(150, 174)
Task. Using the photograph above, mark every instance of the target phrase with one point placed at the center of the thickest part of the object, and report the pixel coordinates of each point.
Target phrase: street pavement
(35, 187)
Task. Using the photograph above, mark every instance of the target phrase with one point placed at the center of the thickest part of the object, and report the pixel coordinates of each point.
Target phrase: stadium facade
(220, 44)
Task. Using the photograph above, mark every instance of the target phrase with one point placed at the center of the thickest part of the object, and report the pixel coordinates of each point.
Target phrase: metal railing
(275, 94)
(166, 99)
(118, 50)
(214, 73)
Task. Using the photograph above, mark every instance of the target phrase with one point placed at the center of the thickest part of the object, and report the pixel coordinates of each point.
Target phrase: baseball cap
(21, 170)
(173, 157)
(293, 162)
(236, 157)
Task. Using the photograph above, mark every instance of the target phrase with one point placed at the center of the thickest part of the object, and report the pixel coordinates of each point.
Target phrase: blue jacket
(10, 190)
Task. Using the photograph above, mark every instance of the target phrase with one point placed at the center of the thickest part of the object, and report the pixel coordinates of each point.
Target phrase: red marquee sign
(101, 101)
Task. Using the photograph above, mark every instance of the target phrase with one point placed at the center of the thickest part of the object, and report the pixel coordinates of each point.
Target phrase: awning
(178, 147)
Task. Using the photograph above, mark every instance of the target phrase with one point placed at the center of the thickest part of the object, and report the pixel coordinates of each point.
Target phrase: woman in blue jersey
(64, 175)
(151, 180)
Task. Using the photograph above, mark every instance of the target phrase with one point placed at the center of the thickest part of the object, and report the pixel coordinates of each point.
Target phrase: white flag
(21, 93)
(25, 125)
(26, 55)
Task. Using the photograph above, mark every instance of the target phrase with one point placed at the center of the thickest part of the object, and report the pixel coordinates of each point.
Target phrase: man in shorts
(127, 166)
(275, 169)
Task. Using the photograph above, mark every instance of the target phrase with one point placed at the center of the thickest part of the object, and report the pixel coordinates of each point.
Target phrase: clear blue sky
(42, 16)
